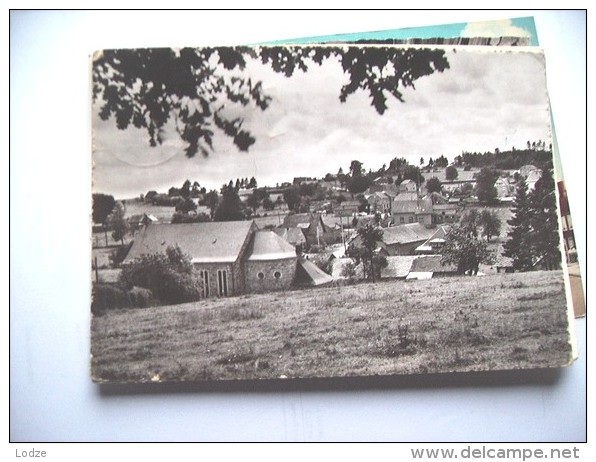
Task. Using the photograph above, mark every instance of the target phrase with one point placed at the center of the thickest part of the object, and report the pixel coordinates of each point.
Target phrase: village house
(311, 225)
(379, 202)
(294, 236)
(404, 239)
(412, 211)
(504, 187)
(139, 220)
(532, 178)
(434, 244)
(232, 257)
(430, 266)
(347, 208)
(408, 186)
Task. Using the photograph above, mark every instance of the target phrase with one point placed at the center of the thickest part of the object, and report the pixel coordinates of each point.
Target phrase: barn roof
(431, 264)
(203, 242)
(411, 232)
(301, 220)
(310, 274)
(406, 196)
(397, 267)
(438, 237)
(412, 206)
(294, 236)
(267, 245)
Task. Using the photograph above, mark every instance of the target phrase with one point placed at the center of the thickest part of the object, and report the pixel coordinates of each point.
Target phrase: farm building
(138, 220)
(412, 211)
(408, 186)
(294, 236)
(232, 257)
(309, 274)
(404, 239)
(380, 202)
(429, 266)
(435, 243)
(311, 225)
(398, 267)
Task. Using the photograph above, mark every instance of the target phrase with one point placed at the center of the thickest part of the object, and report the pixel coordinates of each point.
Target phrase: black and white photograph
(292, 212)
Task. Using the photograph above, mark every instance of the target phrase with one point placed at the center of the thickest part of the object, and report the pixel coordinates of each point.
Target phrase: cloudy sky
(489, 98)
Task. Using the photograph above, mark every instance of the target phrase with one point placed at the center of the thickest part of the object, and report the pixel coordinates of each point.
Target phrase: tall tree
(451, 173)
(370, 236)
(490, 223)
(253, 202)
(355, 168)
(200, 89)
(434, 185)
(518, 246)
(470, 222)
(230, 206)
(196, 189)
(185, 189)
(186, 205)
(103, 204)
(358, 184)
(252, 183)
(118, 222)
(211, 200)
(411, 172)
(485, 185)
(292, 198)
(544, 222)
(465, 251)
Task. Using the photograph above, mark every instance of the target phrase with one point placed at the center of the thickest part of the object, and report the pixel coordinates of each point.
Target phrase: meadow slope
(504, 321)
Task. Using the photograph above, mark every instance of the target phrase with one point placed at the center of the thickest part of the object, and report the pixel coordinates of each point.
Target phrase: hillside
(504, 321)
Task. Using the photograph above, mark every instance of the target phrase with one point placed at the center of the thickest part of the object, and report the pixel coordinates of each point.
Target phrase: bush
(108, 296)
(140, 297)
(170, 276)
(349, 271)
(180, 217)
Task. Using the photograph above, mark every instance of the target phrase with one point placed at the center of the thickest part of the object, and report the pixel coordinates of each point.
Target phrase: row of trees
(536, 154)
(111, 215)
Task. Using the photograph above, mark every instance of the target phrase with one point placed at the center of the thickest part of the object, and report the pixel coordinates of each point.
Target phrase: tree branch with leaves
(199, 90)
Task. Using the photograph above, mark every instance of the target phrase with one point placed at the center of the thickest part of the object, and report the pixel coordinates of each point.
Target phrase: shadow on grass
(423, 381)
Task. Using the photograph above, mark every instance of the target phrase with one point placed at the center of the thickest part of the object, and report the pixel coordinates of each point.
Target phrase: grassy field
(162, 213)
(505, 321)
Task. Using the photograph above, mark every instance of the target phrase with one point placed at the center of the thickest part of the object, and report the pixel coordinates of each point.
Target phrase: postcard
(282, 212)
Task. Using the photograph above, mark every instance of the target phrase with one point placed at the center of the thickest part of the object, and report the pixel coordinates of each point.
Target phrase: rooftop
(411, 232)
(267, 245)
(203, 242)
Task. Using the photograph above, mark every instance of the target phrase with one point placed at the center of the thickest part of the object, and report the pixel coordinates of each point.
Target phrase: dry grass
(161, 212)
(454, 324)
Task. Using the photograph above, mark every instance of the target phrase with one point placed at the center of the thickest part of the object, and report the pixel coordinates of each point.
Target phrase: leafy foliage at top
(196, 87)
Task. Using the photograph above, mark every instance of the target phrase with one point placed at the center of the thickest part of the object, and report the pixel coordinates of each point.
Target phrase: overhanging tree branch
(195, 86)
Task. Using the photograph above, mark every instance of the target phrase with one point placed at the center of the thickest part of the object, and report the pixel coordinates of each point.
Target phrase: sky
(489, 98)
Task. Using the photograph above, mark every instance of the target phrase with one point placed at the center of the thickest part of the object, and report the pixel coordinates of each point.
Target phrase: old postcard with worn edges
(282, 212)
